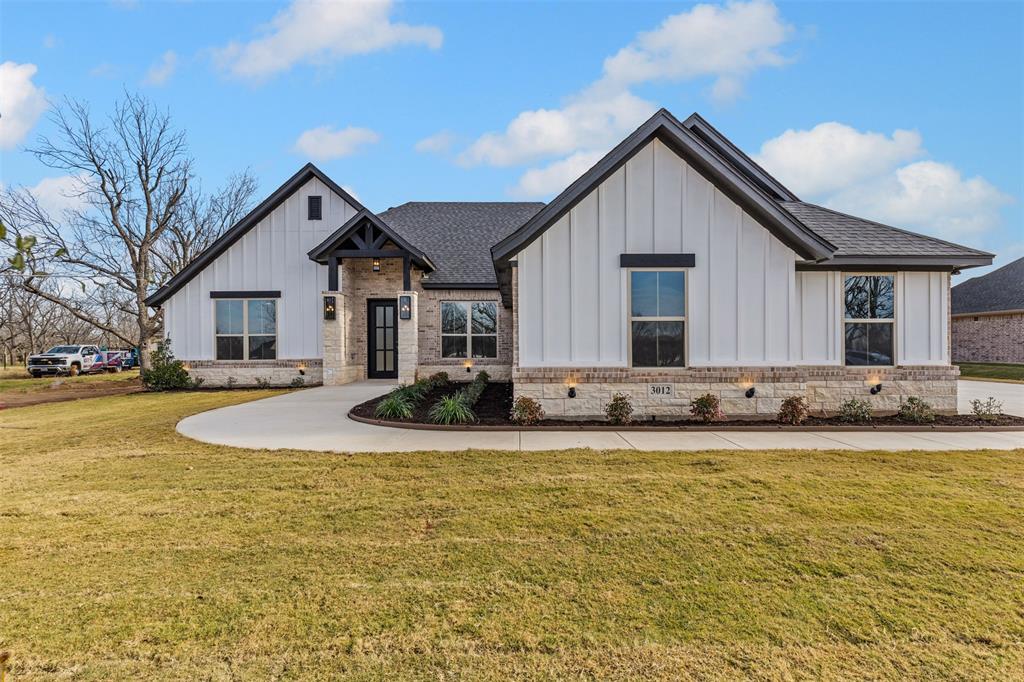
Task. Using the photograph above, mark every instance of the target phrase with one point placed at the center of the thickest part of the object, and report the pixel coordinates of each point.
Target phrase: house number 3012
(659, 390)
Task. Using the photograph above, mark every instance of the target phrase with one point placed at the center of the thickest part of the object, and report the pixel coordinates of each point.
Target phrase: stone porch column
(408, 339)
(335, 341)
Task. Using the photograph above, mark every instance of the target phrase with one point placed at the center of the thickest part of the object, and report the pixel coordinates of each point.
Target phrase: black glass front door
(382, 346)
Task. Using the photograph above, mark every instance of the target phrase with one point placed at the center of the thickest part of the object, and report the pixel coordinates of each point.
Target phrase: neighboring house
(988, 316)
(676, 266)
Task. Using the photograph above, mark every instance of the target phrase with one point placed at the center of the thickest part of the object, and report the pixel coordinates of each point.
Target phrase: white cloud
(22, 102)
(876, 176)
(319, 32)
(725, 42)
(103, 70)
(59, 195)
(438, 143)
(831, 156)
(553, 178)
(590, 120)
(162, 70)
(326, 143)
(929, 196)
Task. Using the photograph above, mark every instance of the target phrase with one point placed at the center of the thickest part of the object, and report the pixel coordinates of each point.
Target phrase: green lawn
(17, 380)
(129, 552)
(992, 371)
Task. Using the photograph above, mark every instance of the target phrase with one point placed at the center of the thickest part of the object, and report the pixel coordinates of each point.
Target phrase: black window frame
(245, 335)
(891, 321)
(314, 207)
(683, 319)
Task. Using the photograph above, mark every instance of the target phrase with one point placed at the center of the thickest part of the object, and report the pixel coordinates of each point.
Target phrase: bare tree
(141, 217)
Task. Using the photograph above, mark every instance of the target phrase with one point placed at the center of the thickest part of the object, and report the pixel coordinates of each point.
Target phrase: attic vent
(315, 203)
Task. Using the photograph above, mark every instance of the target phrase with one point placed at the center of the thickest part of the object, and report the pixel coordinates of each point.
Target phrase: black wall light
(750, 392)
(330, 310)
(572, 391)
(404, 307)
(876, 389)
(376, 264)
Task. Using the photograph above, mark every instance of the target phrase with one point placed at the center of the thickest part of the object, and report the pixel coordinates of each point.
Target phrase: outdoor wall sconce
(468, 364)
(572, 391)
(330, 311)
(376, 264)
(187, 367)
(571, 383)
(302, 369)
(876, 389)
(750, 392)
(404, 307)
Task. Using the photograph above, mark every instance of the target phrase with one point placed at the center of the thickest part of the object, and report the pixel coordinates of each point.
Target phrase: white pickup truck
(71, 360)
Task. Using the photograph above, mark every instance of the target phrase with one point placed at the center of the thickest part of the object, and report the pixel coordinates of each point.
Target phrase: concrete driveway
(315, 419)
(1011, 395)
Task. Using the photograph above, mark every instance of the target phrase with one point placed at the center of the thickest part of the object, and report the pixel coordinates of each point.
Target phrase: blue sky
(908, 113)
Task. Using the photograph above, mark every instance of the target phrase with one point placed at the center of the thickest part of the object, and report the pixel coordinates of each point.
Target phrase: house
(676, 266)
(988, 316)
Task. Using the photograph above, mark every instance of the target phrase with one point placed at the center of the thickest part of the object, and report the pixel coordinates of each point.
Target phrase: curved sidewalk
(316, 419)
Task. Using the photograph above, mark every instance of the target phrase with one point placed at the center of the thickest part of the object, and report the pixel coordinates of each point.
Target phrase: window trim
(469, 329)
(245, 328)
(319, 207)
(844, 320)
(685, 319)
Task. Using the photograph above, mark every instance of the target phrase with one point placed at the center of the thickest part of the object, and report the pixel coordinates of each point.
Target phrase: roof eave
(899, 262)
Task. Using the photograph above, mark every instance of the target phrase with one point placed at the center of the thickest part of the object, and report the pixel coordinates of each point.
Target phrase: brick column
(408, 339)
(335, 341)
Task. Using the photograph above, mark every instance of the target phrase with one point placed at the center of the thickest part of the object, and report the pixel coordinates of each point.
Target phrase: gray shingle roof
(1001, 289)
(458, 236)
(854, 236)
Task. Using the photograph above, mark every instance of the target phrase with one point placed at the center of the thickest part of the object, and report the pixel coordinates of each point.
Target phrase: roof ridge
(888, 227)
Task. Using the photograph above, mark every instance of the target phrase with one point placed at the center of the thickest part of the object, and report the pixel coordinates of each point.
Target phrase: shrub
(855, 411)
(452, 409)
(393, 406)
(438, 379)
(167, 373)
(794, 410)
(230, 382)
(707, 408)
(526, 411)
(989, 410)
(413, 393)
(483, 376)
(916, 411)
(262, 382)
(298, 382)
(620, 410)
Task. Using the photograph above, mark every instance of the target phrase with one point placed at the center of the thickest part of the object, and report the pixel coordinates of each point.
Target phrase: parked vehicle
(71, 360)
(113, 360)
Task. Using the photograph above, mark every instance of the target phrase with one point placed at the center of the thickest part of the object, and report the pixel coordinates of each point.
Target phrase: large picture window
(657, 318)
(469, 329)
(245, 329)
(868, 319)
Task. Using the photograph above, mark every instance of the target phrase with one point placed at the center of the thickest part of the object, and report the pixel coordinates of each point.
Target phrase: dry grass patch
(130, 552)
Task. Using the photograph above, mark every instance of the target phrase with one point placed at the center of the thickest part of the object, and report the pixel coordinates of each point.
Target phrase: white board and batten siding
(746, 303)
(270, 256)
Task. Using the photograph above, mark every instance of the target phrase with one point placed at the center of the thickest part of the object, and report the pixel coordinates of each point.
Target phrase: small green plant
(855, 411)
(526, 411)
(230, 382)
(393, 406)
(452, 409)
(619, 410)
(438, 379)
(166, 373)
(988, 410)
(916, 411)
(794, 410)
(262, 382)
(298, 382)
(483, 376)
(707, 408)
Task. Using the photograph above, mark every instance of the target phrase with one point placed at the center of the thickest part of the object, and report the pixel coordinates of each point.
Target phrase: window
(245, 329)
(657, 318)
(868, 319)
(315, 207)
(469, 329)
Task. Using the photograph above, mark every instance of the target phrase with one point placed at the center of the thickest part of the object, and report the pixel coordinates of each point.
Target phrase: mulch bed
(495, 405)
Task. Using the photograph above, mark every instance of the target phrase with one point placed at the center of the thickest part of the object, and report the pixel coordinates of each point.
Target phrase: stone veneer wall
(824, 387)
(215, 373)
(988, 338)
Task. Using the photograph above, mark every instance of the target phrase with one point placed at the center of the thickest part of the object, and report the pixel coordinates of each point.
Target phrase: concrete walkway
(315, 419)
(1010, 395)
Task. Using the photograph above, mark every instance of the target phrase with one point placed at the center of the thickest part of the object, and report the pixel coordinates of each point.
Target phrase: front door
(382, 346)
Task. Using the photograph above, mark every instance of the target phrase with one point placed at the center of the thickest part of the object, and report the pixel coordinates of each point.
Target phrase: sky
(908, 113)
